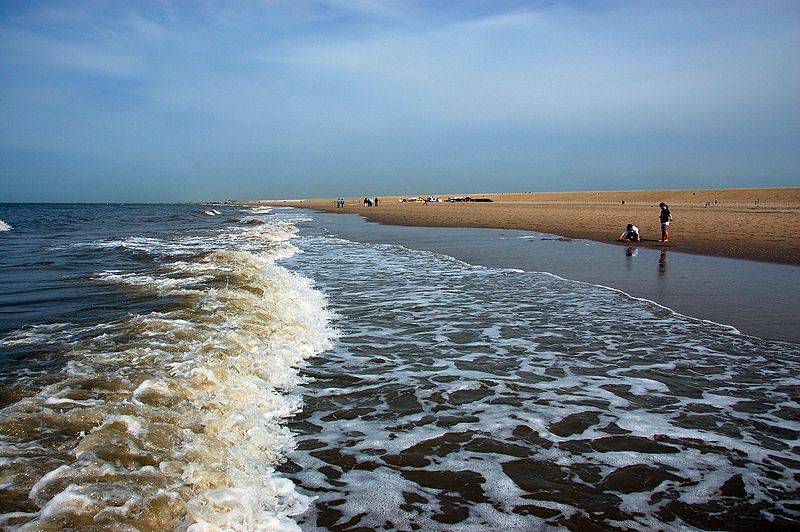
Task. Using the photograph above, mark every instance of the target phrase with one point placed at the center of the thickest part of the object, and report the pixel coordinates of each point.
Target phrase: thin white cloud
(326, 86)
(98, 58)
(382, 8)
(144, 28)
(505, 21)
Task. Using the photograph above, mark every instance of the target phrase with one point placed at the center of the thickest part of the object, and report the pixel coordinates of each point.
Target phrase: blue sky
(185, 101)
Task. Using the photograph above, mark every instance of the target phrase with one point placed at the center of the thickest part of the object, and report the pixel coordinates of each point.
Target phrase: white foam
(209, 380)
(4, 227)
(494, 350)
(71, 500)
(164, 285)
(41, 334)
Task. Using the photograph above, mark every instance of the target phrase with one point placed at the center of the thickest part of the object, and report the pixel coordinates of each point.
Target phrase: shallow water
(758, 298)
(471, 397)
(169, 367)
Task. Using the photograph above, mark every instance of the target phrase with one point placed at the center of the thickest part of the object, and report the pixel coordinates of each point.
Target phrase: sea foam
(4, 227)
(491, 398)
(179, 414)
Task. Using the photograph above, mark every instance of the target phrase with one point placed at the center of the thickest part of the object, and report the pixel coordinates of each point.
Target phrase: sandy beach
(756, 224)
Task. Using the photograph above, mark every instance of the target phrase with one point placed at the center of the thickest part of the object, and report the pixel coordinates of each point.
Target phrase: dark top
(665, 214)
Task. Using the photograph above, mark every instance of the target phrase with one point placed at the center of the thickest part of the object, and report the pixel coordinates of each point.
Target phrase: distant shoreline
(754, 224)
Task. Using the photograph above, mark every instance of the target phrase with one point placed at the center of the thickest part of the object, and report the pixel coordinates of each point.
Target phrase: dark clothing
(665, 214)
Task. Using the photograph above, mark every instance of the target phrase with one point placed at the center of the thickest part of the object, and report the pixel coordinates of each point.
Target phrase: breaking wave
(172, 419)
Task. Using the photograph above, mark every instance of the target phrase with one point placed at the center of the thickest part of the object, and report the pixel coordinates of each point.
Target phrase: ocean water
(224, 367)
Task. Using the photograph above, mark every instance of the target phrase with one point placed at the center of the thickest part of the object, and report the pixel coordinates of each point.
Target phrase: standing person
(665, 217)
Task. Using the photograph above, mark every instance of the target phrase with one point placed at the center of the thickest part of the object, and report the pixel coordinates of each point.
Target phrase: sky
(170, 101)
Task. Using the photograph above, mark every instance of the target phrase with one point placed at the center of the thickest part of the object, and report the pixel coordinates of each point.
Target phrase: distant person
(665, 217)
(376, 201)
(631, 233)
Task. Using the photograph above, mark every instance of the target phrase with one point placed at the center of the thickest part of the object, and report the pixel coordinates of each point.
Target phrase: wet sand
(755, 224)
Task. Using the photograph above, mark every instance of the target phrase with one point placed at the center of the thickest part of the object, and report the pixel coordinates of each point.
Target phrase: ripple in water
(467, 398)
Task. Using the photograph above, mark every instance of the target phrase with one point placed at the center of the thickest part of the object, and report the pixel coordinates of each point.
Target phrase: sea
(232, 367)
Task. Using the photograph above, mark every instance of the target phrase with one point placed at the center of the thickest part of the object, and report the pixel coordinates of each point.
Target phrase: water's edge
(756, 298)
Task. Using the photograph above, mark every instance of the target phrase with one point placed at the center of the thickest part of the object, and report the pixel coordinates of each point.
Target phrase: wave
(175, 419)
(272, 239)
(41, 334)
(4, 227)
(492, 377)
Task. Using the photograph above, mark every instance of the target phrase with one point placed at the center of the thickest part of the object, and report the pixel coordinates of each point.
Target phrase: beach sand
(756, 224)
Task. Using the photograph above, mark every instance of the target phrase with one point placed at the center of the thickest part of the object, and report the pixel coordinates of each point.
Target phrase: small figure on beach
(367, 202)
(631, 233)
(375, 201)
(665, 217)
